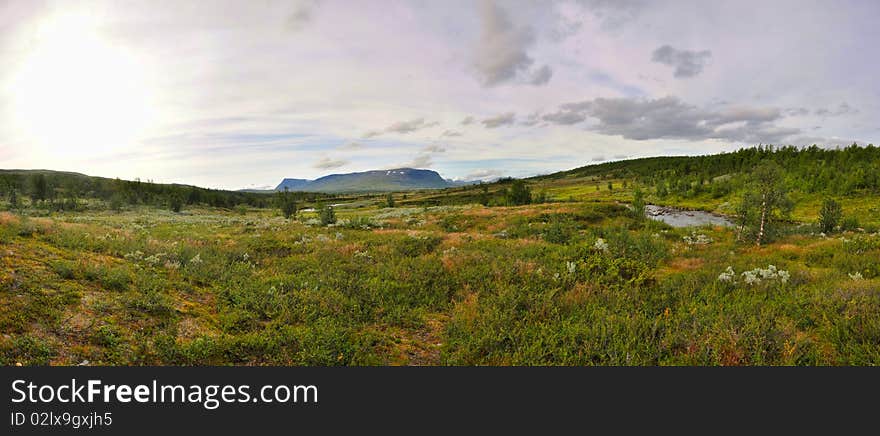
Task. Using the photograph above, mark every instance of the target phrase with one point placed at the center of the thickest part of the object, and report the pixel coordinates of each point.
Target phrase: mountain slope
(292, 184)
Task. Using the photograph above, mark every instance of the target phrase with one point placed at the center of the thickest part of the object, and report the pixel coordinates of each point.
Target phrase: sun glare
(76, 93)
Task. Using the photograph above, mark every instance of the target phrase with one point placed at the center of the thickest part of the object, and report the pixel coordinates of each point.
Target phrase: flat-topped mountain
(398, 179)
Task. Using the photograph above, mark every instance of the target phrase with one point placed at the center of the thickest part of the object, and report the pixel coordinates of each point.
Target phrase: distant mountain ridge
(398, 179)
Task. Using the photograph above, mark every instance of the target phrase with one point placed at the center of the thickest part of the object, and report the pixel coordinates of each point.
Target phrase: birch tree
(764, 204)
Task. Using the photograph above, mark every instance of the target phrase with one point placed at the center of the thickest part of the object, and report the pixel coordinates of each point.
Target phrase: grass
(453, 285)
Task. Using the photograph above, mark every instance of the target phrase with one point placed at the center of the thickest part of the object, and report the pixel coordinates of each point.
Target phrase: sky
(241, 94)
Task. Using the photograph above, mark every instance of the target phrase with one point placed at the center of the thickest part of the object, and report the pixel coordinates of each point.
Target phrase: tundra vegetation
(98, 271)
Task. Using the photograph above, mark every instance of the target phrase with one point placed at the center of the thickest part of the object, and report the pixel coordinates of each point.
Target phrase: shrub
(359, 223)
(417, 245)
(638, 204)
(559, 231)
(63, 268)
(519, 193)
(327, 215)
(389, 200)
(830, 215)
(451, 223)
(26, 350)
(849, 224)
(286, 203)
(175, 203)
(116, 279)
(107, 336)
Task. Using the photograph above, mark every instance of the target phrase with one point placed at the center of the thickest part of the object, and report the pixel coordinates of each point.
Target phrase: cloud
(450, 134)
(303, 13)
(670, 118)
(501, 53)
(483, 174)
(499, 120)
(467, 120)
(409, 126)
(371, 133)
(823, 141)
(620, 156)
(402, 127)
(541, 76)
(842, 109)
(420, 161)
(614, 13)
(434, 149)
(578, 106)
(327, 163)
(797, 111)
(532, 119)
(598, 159)
(352, 145)
(565, 117)
(687, 63)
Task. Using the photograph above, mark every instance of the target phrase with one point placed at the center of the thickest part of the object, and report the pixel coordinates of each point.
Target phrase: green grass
(456, 285)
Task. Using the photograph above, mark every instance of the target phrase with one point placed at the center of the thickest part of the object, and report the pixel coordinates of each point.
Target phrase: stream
(685, 218)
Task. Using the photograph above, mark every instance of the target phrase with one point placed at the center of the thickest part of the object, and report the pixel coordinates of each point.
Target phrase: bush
(830, 215)
(417, 245)
(175, 203)
(359, 223)
(559, 231)
(63, 268)
(327, 215)
(519, 193)
(849, 224)
(638, 204)
(26, 350)
(116, 279)
(389, 200)
(286, 203)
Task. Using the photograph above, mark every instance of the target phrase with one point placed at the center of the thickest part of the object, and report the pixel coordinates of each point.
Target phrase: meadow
(575, 280)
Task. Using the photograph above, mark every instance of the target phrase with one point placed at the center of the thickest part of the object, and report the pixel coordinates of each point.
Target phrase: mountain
(398, 179)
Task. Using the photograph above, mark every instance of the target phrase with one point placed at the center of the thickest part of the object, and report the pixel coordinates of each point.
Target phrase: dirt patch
(686, 264)
(7, 218)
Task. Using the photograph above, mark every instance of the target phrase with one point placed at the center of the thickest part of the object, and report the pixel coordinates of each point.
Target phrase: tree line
(69, 191)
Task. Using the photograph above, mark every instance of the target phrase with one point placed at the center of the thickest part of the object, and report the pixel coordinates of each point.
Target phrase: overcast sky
(236, 94)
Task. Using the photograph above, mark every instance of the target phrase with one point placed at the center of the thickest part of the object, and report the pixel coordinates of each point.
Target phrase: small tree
(610, 186)
(286, 203)
(175, 203)
(39, 188)
(830, 215)
(326, 215)
(765, 203)
(14, 202)
(662, 191)
(116, 202)
(484, 196)
(519, 193)
(389, 200)
(541, 197)
(638, 204)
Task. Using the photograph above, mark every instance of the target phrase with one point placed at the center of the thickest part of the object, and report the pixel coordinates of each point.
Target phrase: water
(685, 218)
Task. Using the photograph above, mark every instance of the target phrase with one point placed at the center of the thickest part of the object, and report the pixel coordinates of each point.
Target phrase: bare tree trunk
(763, 217)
